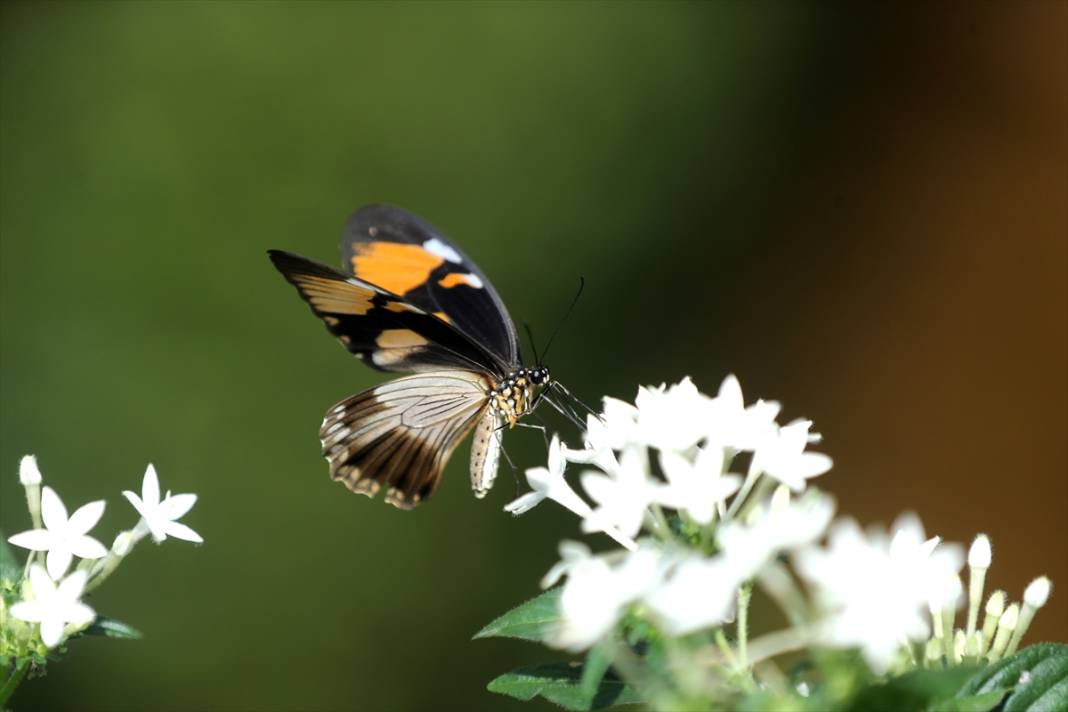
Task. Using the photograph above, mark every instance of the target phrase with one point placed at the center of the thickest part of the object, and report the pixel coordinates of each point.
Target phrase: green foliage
(527, 621)
(10, 570)
(1037, 677)
(562, 684)
(111, 628)
(915, 690)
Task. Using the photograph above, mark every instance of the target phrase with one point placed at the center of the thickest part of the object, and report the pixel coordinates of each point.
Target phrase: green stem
(12, 681)
(744, 594)
(663, 529)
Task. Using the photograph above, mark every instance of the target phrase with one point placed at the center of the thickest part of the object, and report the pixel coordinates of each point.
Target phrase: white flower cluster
(52, 598)
(666, 465)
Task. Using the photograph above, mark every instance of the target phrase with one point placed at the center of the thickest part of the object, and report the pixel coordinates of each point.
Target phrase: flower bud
(1006, 626)
(995, 606)
(979, 554)
(28, 472)
(1035, 596)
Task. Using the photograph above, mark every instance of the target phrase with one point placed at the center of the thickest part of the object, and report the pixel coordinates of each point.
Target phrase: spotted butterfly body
(409, 300)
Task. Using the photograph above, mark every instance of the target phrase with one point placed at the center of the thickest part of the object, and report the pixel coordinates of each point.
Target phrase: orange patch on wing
(443, 316)
(454, 278)
(334, 296)
(393, 266)
(399, 339)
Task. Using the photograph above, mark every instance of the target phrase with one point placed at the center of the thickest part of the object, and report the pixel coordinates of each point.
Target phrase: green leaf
(560, 683)
(111, 628)
(982, 702)
(527, 621)
(915, 690)
(10, 569)
(1037, 676)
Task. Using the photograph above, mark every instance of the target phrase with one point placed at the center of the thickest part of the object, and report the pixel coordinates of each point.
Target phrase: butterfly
(408, 300)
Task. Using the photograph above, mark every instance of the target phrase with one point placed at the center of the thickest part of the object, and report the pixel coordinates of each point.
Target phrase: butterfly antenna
(533, 346)
(582, 284)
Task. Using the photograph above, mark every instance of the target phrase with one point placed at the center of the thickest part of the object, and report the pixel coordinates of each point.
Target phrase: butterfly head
(539, 375)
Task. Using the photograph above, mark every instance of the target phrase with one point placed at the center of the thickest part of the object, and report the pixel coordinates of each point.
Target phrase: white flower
(596, 594)
(29, 475)
(783, 457)
(672, 418)
(161, 517)
(874, 593)
(54, 606)
(733, 425)
(780, 526)
(696, 485)
(623, 495)
(697, 594)
(61, 537)
(549, 483)
(572, 554)
(927, 559)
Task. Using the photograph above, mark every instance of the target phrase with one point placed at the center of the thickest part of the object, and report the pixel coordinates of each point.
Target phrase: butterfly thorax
(515, 394)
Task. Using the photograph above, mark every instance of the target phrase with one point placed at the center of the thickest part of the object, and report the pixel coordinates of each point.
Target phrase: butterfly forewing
(407, 256)
(386, 331)
(400, 434)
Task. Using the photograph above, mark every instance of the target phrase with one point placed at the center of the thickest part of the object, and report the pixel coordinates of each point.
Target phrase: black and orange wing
(383, 329)
(407, 256)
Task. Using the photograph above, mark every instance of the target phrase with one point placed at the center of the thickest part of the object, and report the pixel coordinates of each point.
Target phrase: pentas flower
(698, 593)
(597, 594)
(62, 537)
(730, 423)
(549, 483)
(782, 456)
(696, 484)
(781, 525)
(160, 517)
(623, 495)
(873, 594)
(671, 418)
(54, 606)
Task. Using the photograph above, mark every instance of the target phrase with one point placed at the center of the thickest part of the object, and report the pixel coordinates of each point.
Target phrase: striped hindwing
(485, 453)
(406, 255)
(400, 434)
(384, 330)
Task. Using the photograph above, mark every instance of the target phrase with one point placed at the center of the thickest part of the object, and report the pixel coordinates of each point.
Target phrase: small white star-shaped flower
(696, 485)
(54, 606)
(782, 456)
(549, 483)
(161, 516)
(62, 537)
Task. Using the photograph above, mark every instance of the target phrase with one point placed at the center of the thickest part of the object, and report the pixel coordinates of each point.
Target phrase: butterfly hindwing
(402, 253)
(383, 329)
(400, 434)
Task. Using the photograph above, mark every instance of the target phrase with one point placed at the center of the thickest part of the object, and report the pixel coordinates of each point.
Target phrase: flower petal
(70, 589)
(136, 501)
(52, 631)
(41, 582)
(150, 487)
(57, 561)
(86, 517)
(177, 505)
(86, 547)
(53, 512)
(79, 614)
(181, 531)
(34, 539)
(525, 503)
(29, 611)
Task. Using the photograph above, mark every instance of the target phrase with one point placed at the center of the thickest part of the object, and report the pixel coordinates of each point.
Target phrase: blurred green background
(860, 210)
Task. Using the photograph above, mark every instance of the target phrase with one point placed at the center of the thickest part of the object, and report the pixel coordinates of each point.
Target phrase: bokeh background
(860, 210)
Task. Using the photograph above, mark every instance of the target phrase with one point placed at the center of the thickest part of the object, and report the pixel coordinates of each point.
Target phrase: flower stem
(745, 592)
(663, 529)
(11, 682)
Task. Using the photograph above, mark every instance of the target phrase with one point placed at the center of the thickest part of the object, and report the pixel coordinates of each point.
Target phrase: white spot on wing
(474, 280)
(436, 247)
